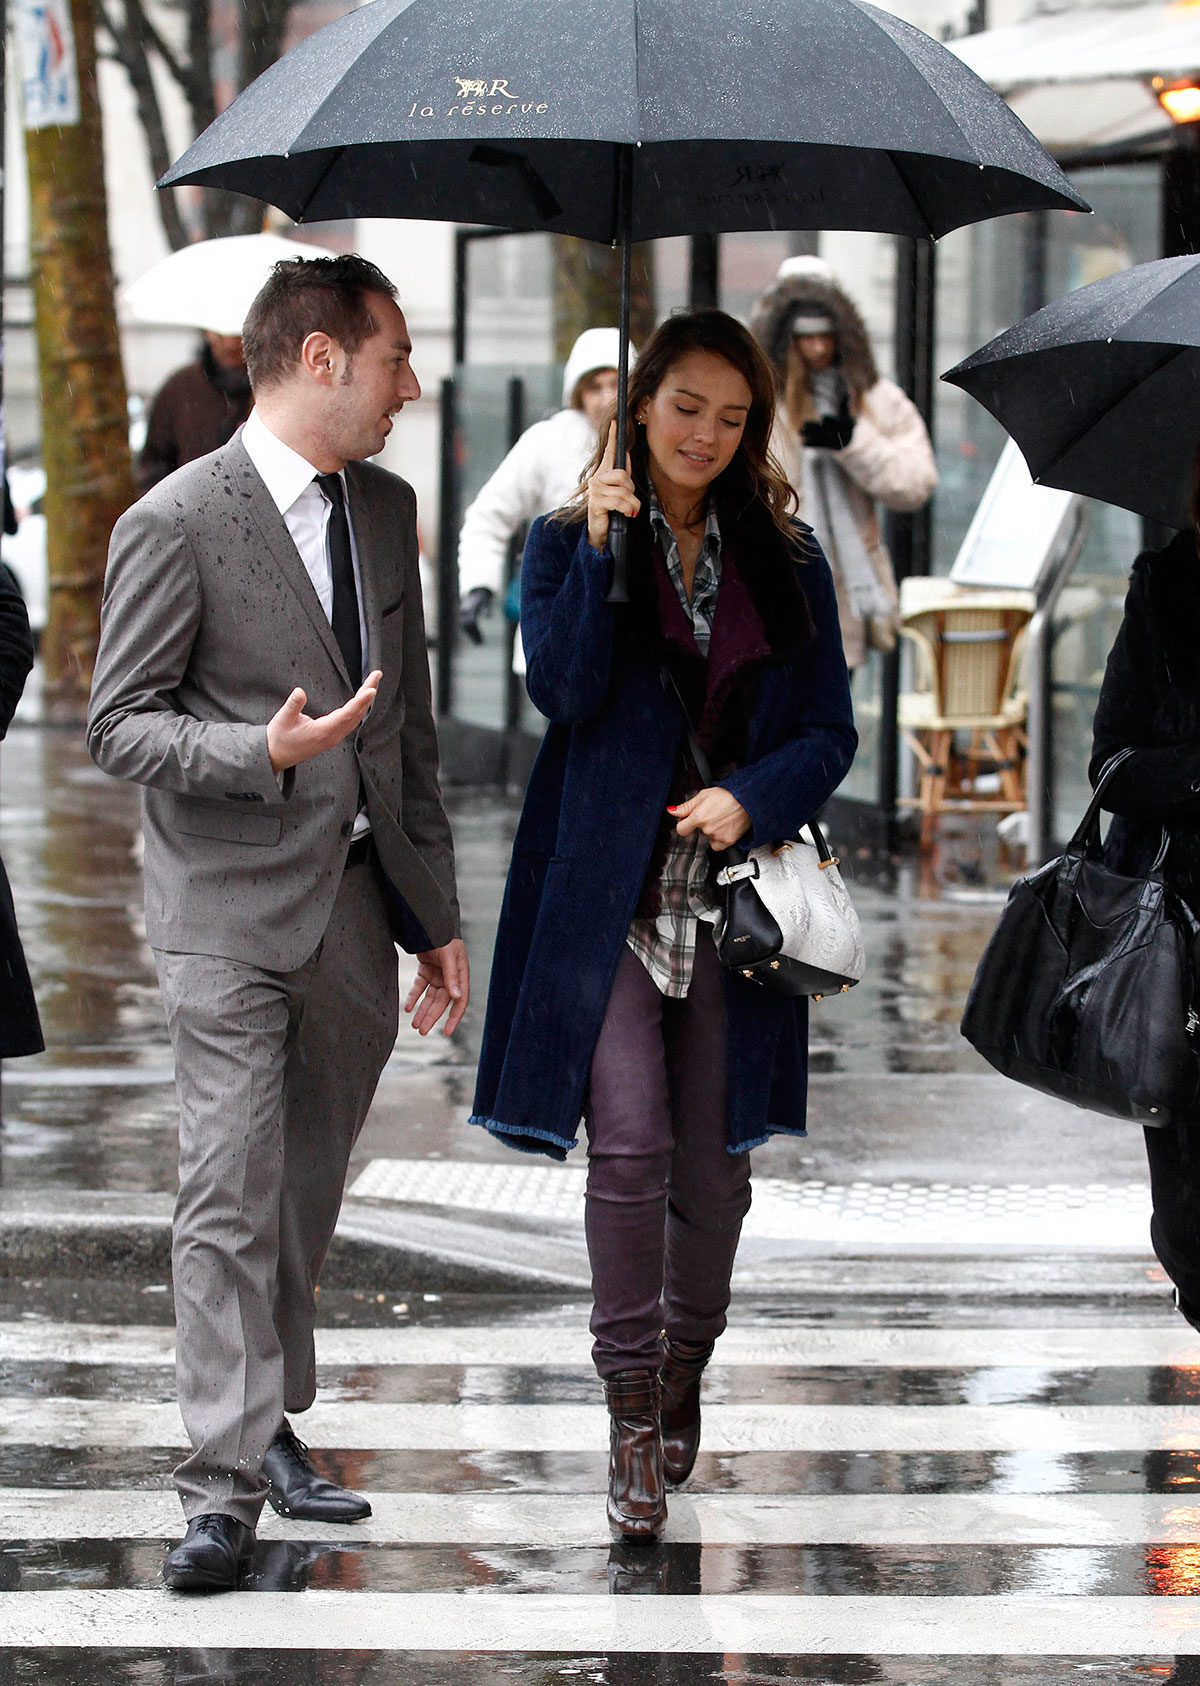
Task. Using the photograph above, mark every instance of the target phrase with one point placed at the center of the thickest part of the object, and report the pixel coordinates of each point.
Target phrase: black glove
(830, 433)
(477, 603)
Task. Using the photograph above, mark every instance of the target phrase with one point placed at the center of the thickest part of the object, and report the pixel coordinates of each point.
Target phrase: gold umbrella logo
(482, 96)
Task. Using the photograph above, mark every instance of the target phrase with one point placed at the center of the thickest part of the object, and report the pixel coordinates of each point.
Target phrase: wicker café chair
(965, 716)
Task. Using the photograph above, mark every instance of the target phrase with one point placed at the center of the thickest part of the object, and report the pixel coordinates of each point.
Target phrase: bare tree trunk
(260, 42)
(195, 76)
(85, 442)
(587, 290)
(131, 36)
(138, 42)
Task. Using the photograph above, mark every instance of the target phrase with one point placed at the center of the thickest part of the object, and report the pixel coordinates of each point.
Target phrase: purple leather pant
(665, 1197)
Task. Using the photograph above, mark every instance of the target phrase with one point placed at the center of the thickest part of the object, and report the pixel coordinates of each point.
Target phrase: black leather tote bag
(1087, 987)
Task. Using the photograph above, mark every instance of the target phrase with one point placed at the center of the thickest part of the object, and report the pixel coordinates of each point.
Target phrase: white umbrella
(212, 283)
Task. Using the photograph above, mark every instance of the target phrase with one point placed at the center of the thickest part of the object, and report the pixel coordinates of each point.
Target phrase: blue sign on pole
(50, 78)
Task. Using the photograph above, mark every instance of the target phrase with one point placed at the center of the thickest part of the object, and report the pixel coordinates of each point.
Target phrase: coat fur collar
(771, 320)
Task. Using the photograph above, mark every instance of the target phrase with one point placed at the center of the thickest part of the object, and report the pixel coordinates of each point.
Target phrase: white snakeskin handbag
(788, 921)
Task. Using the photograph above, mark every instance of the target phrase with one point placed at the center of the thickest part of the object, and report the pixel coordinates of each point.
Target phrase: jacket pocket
(226, 821)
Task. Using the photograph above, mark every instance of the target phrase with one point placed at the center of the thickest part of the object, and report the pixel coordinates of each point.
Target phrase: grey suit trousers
(275, 1072)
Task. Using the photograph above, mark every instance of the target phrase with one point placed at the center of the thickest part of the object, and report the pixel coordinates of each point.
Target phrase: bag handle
(1087, 833)
(735, 854)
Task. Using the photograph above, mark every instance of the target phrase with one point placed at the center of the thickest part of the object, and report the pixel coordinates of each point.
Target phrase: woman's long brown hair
(753, 474)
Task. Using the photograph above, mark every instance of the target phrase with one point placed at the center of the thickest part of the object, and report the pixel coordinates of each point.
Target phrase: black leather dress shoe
(211, 1555)
(294, 1487)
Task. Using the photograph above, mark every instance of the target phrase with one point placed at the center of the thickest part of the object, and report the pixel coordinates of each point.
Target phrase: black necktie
(345, 594)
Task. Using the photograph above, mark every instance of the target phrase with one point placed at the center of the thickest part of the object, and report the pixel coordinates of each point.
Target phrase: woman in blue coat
(607, 1002)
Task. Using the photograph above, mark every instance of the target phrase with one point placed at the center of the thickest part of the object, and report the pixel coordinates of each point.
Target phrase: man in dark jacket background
(197, 410)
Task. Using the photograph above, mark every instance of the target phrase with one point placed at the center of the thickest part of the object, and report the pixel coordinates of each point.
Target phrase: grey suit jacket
(209, 621)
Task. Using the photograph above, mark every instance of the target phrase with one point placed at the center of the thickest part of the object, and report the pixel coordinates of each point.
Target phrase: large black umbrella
(1101, 390)
(733, 114)
(622, 120)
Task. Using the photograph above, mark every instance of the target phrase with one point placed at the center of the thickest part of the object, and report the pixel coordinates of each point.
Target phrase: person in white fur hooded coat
(540, 473)
(846, 438)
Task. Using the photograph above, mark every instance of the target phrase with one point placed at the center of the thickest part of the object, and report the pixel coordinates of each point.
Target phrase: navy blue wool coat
(773, 710)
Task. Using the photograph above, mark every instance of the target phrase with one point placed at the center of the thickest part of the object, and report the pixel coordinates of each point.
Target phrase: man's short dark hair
(307, 296)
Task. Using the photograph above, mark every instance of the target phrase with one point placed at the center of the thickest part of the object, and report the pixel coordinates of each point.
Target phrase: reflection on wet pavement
(321, 1668)
(149, 1469)
(748, 1384)
(666, 1569)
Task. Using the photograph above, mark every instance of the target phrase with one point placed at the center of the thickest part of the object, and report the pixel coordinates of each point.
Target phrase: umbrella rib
(907, 185)
(320, 183)
(637, 71)
(1131, 386)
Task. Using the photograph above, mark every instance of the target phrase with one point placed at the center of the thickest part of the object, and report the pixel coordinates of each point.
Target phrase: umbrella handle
(618, 526)
(618, 534)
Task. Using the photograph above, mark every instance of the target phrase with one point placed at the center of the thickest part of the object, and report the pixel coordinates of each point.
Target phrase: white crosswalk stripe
(367, 1425)
(1008, 1523)
(784, 1626)
(535, 1343)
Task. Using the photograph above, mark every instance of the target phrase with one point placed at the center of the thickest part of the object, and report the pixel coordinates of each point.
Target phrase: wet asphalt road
(896, 1486)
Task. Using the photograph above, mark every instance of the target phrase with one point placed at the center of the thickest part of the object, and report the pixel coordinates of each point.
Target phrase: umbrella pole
(618, 526)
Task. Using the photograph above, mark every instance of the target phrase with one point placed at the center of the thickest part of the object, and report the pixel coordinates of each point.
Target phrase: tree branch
(130, 51)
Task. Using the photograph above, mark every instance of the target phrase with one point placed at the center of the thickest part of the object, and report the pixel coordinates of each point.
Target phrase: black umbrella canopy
(1101, 390)
(745, 114)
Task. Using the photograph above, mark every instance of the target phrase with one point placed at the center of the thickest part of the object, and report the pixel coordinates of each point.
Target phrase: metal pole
(460, 296)
(909, 536)
(1039, 723)
(1180, 205)
(512, 684)
(704, 272)
(618, 527)
(1035, 279)
(447, 600)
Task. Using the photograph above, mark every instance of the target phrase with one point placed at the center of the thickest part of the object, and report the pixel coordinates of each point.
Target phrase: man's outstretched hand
(293, 736)
(443, 980)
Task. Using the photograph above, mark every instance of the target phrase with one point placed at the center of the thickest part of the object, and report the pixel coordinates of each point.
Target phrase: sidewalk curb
(387, 1247)
(76, 1233)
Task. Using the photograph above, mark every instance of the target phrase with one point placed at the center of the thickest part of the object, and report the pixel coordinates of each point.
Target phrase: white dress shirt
(291, 481)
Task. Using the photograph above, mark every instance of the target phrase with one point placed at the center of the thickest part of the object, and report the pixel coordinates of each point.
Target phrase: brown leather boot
(680, 1375)
(637, 1501)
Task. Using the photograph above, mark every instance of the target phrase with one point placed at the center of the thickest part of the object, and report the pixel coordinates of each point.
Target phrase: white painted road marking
(543, 1345)
(745, 1624)
(369, 1425)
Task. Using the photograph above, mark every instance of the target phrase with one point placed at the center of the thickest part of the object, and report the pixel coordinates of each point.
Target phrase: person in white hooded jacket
(540, 473)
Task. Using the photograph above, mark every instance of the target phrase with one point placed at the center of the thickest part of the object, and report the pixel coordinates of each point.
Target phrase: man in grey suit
(262, 674)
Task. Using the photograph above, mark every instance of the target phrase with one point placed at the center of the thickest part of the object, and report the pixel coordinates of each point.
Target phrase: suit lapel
(279, 542)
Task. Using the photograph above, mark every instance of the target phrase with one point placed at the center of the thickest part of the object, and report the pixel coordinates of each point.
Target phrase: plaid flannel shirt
(666, 945)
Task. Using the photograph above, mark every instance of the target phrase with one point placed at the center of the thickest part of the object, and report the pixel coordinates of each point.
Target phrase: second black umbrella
(1101, 389)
